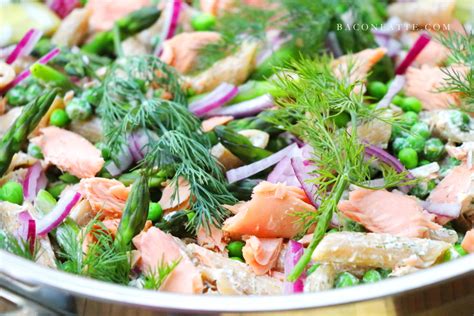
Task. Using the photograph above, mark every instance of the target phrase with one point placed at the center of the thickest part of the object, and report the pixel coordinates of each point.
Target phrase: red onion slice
(395, 87)
(26, 73)
(246, 108)
(451, 210)
(416, 49)
(303, 174)
(173, 10)
(35, 180)
(25, 45)
(58, 214)
(382, 155)
(27, 229)
(217, 98)
(62, 7)
(292, 256)
(284, 173)
(244, 172)
(123, 161)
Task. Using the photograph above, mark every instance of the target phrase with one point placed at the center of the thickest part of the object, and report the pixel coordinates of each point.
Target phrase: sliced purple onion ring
(25, 45)
(246, 108)
(214, 100)
(303, 174)
(393, 90)
(416, 49)
(244, 172)
(292, 256)
(451, 210)
(172, 10)
(27, 229)
(62, 209)
(35, 180)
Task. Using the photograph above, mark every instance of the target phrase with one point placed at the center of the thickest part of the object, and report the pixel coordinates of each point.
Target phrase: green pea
(424, 162)
(203, 22)
(237, 259)
(422, 189)
(342, 119)
(235, 248)
(190, 216)
(460, 119)
(421, 129)
(34, 151)
(79, 109)
(59, 118)
(398, 130)
(371, 276)
(460, 250)
(409, 118)
(17, 96)
(397, 100)
(411, 104)
(56, 189)
(105, 151)
(384, 273)
(333, 230)
(12, 192)
(416, 142)
(399, 143)
(33, 91)
(433, 150)
(93, 96)
(346, 279)
(68, 178)
(377, 89)
(450, 254)
(44, 201)
(313, 268)
(155, 212)
(408, 157)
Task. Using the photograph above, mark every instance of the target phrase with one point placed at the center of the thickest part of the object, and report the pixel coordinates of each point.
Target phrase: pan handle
(30, 299)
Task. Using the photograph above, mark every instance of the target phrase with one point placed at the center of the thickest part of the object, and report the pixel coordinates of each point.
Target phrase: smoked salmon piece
(182, 51)
(423, 83)
(468, 241)
(212, 240)
(106, 12)
(105, 196)
(261, 254)
(457, 188)
(157, 247)
(209, 124)
(359, 64)
(69, 152)
(270, 212)
(172, 199)
(381, 211)
(424, 12)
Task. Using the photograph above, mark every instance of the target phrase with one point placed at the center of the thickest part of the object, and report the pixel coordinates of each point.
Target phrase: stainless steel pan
(37, 289)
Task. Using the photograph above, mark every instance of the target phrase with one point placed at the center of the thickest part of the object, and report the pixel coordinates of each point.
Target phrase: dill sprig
(18, 246)
(461, 47)
(193, 162)
(155, 278)
(102, 260)
(313, 100)
(128, 104)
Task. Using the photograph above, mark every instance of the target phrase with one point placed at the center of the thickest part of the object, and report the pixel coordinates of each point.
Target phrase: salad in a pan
(237, 146)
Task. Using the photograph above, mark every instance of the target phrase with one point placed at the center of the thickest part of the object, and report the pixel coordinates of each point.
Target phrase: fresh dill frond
(128, 102)
(313, 99)
(18, 246)
(244, 22)
(193, 162)
(101, 261)
(460, 81)
(154, 279)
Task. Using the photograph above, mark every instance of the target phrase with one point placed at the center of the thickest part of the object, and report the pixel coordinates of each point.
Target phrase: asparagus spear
(16, 135)
(51, 76)
(239, 145)
(103, 42)
(135, 213)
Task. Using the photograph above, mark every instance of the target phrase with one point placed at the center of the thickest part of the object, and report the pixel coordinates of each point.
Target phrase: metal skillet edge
(32, 274)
